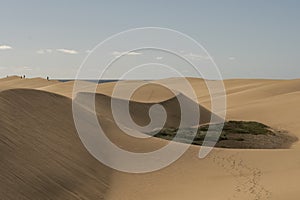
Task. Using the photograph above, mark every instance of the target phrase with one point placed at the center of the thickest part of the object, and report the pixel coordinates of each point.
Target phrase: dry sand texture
(43, 158)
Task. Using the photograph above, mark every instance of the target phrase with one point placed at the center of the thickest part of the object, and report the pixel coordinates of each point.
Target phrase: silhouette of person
(47, 78)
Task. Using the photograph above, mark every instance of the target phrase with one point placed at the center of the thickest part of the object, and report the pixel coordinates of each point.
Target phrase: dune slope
(140, 111)
(41, 154)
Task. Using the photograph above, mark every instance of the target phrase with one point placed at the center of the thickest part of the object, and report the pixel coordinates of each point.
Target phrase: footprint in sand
(247, 178)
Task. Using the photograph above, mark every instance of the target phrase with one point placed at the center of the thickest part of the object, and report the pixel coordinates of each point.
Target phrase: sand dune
(41, 155)
(43, 158)
(17, 82)
(139, 111)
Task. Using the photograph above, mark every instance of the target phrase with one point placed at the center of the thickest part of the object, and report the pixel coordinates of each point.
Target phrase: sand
(43, 158)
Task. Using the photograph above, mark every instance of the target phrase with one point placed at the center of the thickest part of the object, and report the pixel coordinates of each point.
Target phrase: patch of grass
(230, 128)
(250, 127)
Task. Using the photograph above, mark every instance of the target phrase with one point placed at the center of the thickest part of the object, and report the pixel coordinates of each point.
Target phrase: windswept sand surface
(43, 158)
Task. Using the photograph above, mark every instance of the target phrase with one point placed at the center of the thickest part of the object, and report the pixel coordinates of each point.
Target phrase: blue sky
(247, 39)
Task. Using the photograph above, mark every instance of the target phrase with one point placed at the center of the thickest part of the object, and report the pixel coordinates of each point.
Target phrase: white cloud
(43, 51)
(5, 47)
(67, 51)
(159, 58)
(131, 53)
(231, 58)
(197, 56)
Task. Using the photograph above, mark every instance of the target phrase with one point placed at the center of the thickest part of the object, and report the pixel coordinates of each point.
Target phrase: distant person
(23, 76)
(47, 78)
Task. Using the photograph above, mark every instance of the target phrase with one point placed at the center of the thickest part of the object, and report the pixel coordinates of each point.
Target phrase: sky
(246, 39)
